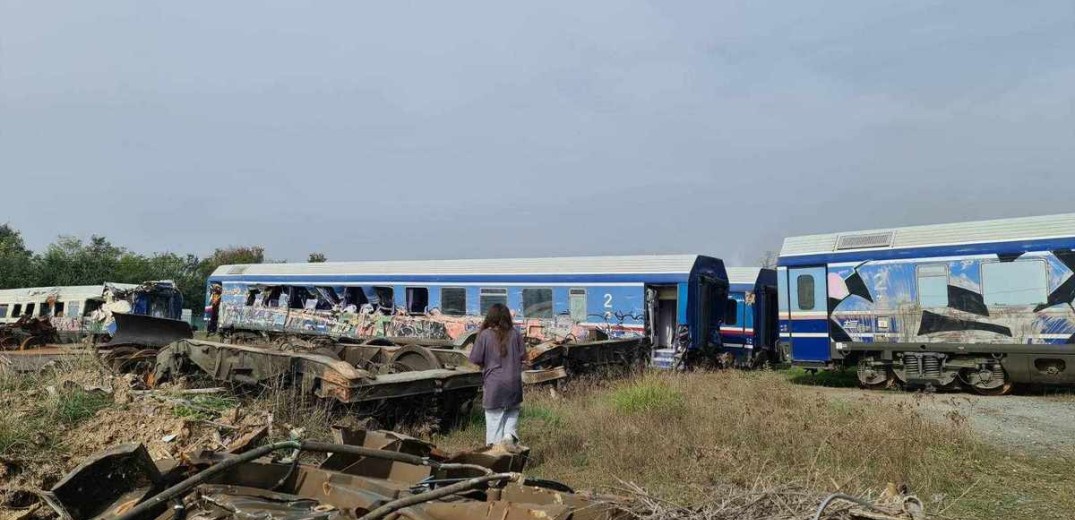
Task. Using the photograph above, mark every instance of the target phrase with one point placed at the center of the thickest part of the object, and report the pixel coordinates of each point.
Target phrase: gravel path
(1030, 423)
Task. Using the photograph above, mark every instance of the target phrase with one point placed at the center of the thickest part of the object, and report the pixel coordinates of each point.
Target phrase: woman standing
(500, 353)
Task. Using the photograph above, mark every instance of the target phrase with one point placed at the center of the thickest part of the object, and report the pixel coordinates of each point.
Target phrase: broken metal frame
(369, 475)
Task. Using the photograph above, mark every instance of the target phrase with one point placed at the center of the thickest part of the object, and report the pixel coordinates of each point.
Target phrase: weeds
(683, 436)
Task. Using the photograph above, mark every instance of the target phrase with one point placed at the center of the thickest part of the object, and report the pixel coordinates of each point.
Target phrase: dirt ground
(1035, 424)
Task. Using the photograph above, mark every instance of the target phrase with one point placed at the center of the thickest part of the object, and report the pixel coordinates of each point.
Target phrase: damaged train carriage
(667, 300)
(748, 329)
(88, 311)
(980, 304)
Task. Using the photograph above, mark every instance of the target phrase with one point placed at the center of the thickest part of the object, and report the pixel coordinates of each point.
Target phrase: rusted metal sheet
(329, 372)
(370, 474)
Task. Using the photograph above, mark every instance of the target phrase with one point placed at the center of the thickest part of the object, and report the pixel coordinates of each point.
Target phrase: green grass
(651, 396)
(683, 436)
(204, 407)
(76, 406)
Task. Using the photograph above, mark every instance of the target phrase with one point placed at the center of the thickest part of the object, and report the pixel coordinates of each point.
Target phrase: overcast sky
(393, 130)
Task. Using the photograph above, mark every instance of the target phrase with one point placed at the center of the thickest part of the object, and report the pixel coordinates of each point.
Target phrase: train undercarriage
(983, 369)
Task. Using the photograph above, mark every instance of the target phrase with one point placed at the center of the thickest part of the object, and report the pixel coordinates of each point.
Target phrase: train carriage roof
(61, 292)
(1019, 231)
(678, 265)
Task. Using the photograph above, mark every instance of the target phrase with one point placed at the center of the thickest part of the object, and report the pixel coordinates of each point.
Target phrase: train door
(767, 321)
(808, 315)
(663, 307)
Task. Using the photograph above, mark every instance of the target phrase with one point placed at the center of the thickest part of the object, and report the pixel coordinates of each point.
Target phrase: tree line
(72, 261)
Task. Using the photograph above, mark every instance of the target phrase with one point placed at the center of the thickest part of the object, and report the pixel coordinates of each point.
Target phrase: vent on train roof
(864, 240)
(237, 269)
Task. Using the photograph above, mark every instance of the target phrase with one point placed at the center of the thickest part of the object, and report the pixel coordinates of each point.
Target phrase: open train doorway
(663, 308)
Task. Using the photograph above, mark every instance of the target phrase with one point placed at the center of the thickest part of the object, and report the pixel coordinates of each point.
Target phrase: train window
(29, 309)
(577, 304)
(417, 300)
(453, 301)
(272, 296)
(73, 309)
(1014, 283)
(385, 299)
(491, 296)
(731, 312)
(933, 286)
(57, 309)
(253, 297)
(91, 306)
(16, 311)
(805, 285)
(353, 299)
(537, 303)
(44, 310)
(3, 310)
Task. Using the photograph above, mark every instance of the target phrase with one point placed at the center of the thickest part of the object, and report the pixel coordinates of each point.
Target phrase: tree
(768, 259)
(69, 261)
(316, 258)
(16, 261)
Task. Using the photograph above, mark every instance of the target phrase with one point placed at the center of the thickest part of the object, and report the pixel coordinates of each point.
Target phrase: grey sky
(444, 129)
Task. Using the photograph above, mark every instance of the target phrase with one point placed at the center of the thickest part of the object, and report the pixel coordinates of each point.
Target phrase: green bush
(647, 396)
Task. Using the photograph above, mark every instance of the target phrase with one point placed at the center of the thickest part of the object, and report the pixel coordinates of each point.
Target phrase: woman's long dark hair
(499, 319)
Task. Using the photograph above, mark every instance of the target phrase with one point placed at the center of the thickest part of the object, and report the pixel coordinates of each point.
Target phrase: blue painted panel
(810, 349)
(809, 326)
(681, 303)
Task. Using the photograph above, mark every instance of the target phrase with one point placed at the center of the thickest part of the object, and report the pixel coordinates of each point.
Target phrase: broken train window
(417, 300)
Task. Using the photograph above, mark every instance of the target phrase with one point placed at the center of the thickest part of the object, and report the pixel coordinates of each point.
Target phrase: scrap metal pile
(367, 475)
(27, 332)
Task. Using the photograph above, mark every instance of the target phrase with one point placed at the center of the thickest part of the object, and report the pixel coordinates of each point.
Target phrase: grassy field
(690, 439)
(682, 436)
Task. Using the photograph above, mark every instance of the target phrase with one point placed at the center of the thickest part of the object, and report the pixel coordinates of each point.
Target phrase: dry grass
(682, 436)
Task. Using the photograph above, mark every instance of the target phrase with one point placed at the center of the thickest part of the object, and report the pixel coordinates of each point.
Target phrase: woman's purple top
(502, 378)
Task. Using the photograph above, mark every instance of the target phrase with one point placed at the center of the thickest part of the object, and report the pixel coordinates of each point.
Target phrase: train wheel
(874, 377)
(413, 358)
(989, 380)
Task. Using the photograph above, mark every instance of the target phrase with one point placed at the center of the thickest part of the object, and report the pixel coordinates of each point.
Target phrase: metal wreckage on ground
(381, 370)
(367, 475)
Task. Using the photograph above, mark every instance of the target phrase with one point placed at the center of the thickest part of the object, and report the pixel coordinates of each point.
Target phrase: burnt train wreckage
(368, 475)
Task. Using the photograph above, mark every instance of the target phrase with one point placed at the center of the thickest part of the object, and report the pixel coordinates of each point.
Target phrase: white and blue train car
(749, 328)
(979, 304)
(666, 297)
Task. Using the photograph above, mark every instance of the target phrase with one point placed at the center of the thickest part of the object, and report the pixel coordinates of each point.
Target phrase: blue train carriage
(748, 329)
(979, 304)
(665, 297)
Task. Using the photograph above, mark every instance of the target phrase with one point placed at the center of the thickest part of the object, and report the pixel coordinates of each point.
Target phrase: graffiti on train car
(325, 315)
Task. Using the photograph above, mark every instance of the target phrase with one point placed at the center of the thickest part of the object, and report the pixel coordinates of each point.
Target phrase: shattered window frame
(385, 293)
(410, 293)
(460, 294)
(538, 303)
(29, 309)
(16, 310)
(57, 309)
(252, 296)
